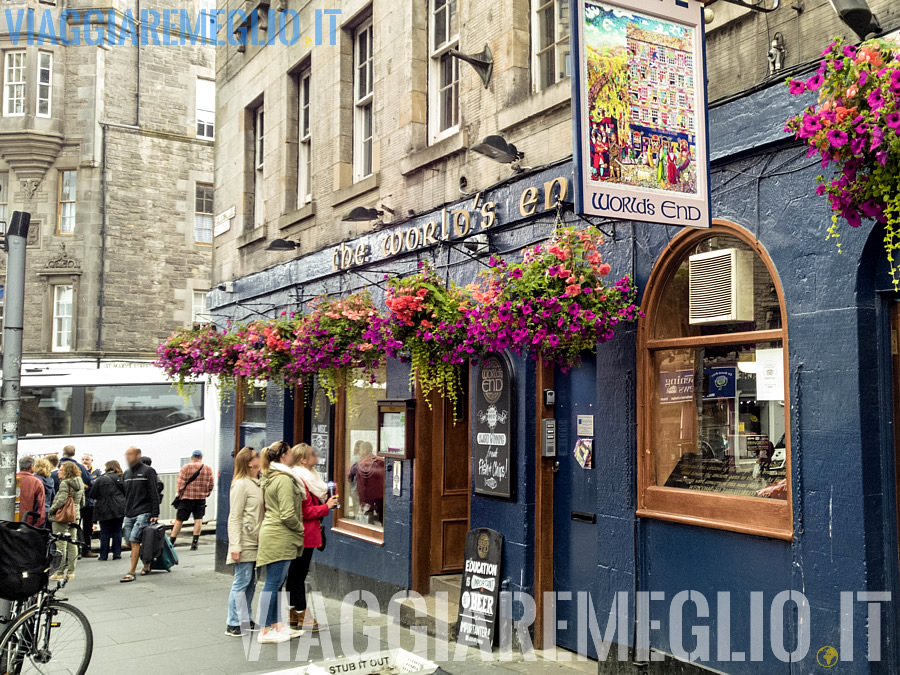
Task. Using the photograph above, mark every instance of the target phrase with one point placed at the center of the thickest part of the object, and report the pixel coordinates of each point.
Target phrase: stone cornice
(29, 153)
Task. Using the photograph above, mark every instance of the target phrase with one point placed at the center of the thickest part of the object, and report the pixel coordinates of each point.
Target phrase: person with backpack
(159, 484)
(65, 513)
(280, 537)
(244, 518)
(108, 492)
(195, 484)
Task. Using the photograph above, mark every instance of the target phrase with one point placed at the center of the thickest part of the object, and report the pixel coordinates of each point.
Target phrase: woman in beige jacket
(244, 518)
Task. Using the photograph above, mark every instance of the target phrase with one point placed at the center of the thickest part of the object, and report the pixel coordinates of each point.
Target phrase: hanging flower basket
(189, 354)
(557, 303)
(427, 326)
(337, 337)
(855, 126)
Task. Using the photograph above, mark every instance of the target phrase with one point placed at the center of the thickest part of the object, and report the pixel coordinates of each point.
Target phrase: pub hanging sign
(492, 440)
(639, 111)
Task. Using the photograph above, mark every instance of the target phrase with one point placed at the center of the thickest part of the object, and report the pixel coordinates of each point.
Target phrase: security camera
(226, 287)
(857, 15)
(479, 244)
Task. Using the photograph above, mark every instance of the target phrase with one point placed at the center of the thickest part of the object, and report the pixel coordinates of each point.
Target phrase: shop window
(362, 472)
(250, 415)
(714, 445)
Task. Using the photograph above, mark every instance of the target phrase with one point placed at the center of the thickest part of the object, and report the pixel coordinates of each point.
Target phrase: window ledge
(353, 530)
(298, 216)
(537, 104)
(448, 147)
(254, 235)
(356, 190)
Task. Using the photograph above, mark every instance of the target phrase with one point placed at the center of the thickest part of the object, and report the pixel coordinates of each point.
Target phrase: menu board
(479, 600)
(320, 438)
(492, 437)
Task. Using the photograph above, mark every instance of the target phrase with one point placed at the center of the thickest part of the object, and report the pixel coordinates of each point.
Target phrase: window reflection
(363, 495)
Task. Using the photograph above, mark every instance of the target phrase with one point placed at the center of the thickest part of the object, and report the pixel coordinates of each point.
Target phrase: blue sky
(604, 26)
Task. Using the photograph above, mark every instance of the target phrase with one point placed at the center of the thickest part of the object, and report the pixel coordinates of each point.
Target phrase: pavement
(174, 622)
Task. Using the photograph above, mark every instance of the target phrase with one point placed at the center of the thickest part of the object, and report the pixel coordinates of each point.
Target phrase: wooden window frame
(55, 289)
(437, 52)
(559, 38)
(7, 83)
(47, 86)
(341, 525)
(364, 103)
(201, 214)
(304, 138)
(764, 517)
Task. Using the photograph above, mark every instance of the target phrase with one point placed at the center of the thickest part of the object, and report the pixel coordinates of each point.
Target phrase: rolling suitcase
(167, 559)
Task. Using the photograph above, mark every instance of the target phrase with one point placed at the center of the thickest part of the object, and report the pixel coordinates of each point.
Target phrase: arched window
(714, 433)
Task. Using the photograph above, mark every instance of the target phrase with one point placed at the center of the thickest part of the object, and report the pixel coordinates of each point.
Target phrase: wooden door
(450, 483)
(895, 362)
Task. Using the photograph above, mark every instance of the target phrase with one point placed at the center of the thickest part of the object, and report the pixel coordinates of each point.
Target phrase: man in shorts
(141, 507)
(195, 484)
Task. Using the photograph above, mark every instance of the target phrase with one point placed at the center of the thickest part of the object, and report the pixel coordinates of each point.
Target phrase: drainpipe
(137, 113)
(101, 292)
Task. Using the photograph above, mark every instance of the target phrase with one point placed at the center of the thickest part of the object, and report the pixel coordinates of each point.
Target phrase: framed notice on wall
(493, 398)
(395, 428)
(639, 111)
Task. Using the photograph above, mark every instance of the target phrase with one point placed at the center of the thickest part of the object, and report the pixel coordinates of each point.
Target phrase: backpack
(24, 565)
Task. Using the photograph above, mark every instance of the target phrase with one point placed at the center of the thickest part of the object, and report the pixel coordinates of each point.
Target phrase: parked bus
(104, 410)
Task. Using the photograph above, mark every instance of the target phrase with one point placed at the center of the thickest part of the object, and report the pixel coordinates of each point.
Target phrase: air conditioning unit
(721, 286)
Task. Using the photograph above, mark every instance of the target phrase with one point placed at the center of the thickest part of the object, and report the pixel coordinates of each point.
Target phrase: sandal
(127, 579)
(145, 572)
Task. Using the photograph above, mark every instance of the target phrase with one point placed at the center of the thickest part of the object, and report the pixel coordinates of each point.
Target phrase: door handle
(583, 517)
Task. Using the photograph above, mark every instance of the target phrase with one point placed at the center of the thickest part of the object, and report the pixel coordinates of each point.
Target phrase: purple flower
(895, 81)
(517, 273)
(892, 119)
(862, 129)
(827, 50)
(863, 78)
(815, 81)
(875, 99)
(882, 157)
(811, 124)
(837, 138)
(857, 145)
(797, 87)
(852, 218)
(877, 137)
(849, 51)
(837, 64)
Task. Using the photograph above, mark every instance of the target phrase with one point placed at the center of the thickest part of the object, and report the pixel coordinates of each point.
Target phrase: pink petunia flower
(797, 87)
(837, 138)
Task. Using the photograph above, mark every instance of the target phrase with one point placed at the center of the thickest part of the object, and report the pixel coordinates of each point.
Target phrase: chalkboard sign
(320, 436)
(479, 601)
(493, 424)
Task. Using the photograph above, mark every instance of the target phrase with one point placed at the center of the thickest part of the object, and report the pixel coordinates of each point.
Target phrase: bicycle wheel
(54, 641)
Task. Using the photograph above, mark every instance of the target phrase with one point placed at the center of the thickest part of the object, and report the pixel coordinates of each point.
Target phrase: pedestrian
(31, 493)
(70, 486)
(280, 537)
(159, 484)
(315, 507)
(141, 507)
(69, 456)
(195, 484)
(87, 513)
(42, 469)
(54, 471)
(244, 519)
(108, 493)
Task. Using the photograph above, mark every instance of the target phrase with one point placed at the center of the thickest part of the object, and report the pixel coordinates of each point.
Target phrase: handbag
(177, 501)
(66, 513)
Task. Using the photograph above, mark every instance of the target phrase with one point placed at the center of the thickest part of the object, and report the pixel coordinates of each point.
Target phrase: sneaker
(253, 627)
(272, 636)
(234, 631)
(294, 632)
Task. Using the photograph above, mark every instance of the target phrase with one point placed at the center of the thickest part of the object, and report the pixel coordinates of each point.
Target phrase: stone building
(110, 148)
(355, 151)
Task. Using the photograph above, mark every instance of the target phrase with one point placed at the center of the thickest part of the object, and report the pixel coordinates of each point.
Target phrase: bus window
(118, 409)
(46, 411)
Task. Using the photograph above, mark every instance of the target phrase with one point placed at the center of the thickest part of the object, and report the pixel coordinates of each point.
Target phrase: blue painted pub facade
(623, 526)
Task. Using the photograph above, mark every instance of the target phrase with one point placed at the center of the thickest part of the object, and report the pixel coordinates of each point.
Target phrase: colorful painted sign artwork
(640, 112)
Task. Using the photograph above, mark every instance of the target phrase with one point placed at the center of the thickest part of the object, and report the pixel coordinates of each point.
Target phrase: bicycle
(44, 634)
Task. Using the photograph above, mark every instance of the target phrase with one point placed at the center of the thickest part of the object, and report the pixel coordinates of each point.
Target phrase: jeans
(111, 532)
(244, 585)
(68, 550)
(296, 580)
(270, 600)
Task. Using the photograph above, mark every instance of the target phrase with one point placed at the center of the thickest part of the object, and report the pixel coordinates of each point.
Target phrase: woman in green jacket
(70, 484)
(280, 536)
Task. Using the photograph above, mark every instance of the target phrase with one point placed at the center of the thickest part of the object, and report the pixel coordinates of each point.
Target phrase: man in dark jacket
(141, 506)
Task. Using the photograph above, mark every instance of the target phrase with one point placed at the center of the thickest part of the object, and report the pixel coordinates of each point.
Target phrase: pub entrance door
(450, 482)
